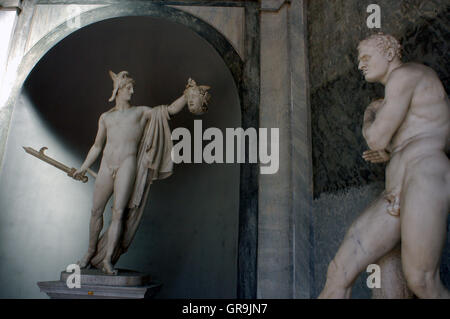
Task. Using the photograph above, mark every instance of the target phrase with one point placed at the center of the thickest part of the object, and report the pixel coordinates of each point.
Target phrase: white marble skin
(119, 133)
(409, 128)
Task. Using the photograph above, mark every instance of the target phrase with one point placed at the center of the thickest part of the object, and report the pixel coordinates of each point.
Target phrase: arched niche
(246, 86)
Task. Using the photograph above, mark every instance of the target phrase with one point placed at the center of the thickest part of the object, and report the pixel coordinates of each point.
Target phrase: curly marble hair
(202, 92)
(383, 42)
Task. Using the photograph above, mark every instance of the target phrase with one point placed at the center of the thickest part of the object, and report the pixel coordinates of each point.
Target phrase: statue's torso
(124, 130)
(425, 130)
(428, 116)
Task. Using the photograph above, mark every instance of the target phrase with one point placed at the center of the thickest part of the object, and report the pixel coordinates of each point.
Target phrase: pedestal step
(96, 285)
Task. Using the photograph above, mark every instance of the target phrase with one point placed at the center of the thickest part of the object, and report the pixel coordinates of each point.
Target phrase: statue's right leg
(123, 188)
(103, 189)
(425, 209)
(371, 236)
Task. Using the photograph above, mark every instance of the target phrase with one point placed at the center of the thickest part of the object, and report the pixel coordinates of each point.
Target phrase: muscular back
(428, 115)
(124, 130)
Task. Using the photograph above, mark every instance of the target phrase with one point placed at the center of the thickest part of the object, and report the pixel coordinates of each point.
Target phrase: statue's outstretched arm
(389, 117)
(96, 149)
(177, 106)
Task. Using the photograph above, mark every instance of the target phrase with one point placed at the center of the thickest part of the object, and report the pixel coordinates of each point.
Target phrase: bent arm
(399, 92)
(95, 150)
(177, 106)
(370, 114)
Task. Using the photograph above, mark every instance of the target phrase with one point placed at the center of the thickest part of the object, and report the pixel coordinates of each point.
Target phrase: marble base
(97, 285)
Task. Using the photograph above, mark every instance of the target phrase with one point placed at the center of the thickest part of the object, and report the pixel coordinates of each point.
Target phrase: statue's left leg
(374, 234)
(123, 187)
(424, 215)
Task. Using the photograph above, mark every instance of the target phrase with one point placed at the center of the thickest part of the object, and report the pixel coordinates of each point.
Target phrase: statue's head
(123, 85)
(197, 97)
(376, 53)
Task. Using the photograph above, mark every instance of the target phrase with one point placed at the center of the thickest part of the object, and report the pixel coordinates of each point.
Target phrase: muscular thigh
(395, 172)
(424, 212)
(371, 236)
(103, 188)
(124, 183)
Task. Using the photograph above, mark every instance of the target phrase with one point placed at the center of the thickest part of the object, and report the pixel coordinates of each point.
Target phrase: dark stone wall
(339, 94)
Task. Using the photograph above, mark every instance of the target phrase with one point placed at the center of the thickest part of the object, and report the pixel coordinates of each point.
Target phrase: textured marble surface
(249, 93)
(227, 20)
(300, 144)
(59, 290)
(284, 198)
(47, 17)
(230, 21)
(275, 262)
(339, 93)
(16, 52)
(124, 278)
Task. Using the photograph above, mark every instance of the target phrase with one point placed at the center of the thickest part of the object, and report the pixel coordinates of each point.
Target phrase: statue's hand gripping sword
(70, 171)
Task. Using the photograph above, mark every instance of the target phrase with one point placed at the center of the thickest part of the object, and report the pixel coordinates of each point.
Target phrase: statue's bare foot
(108, 268)
(86, 261)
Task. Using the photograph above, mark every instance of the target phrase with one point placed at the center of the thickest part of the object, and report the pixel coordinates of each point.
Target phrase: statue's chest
(122, 120)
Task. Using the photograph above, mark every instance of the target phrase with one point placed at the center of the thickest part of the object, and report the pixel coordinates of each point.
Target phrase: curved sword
(70, 171)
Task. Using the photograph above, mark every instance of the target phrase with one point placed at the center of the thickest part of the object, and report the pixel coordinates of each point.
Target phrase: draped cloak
(153, 162)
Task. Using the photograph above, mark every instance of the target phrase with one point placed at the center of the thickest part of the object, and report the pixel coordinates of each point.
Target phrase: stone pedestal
(97, 285)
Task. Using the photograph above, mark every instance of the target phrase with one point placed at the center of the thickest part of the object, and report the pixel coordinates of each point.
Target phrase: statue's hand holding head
(197, 97)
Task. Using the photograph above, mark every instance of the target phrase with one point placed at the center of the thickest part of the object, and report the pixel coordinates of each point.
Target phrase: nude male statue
(120, 131)
(410, 128)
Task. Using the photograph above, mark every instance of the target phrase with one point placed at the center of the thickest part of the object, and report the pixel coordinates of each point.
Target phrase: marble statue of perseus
(136, 143)
(409, 129)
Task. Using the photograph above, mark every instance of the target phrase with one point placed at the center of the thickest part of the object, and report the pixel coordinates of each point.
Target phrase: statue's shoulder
(111, 110)
(105, 115)
(424, 72)
(143, 107)
(412, 68)
(152, 108)
(408, 73)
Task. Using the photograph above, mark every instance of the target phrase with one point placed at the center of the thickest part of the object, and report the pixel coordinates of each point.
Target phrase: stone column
(16, 52)
(285, 198)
